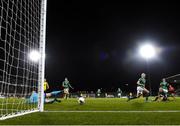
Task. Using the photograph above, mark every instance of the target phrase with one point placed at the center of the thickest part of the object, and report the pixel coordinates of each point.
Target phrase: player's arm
(63, 84)
(70, 86)
(47, 85)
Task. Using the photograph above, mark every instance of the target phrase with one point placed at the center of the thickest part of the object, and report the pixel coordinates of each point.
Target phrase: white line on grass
(158, 111)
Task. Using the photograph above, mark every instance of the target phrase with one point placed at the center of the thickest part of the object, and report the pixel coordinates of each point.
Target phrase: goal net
(22, 30)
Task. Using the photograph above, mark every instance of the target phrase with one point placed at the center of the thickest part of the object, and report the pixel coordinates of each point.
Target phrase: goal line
(18, 114)
(125, 111)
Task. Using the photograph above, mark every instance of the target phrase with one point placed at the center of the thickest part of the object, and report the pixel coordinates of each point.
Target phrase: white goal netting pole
(42, 51)
(22, 30)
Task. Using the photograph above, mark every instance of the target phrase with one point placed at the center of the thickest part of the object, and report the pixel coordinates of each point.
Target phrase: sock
(147, 96)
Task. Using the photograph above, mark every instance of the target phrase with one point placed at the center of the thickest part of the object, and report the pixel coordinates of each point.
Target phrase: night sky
(94, 43)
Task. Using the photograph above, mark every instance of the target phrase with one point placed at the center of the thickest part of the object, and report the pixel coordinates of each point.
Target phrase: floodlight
(147, 51)
(34, 56)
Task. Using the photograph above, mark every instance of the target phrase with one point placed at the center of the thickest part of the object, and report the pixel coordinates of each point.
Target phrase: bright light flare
(147, 51)
(34, 56)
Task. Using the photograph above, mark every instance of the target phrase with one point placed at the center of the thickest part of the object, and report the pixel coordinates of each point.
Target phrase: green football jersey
(66, 84)
(142, 82)
(164, 85)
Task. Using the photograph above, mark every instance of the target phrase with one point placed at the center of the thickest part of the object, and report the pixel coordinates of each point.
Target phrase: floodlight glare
(34, 56)
(147, 51)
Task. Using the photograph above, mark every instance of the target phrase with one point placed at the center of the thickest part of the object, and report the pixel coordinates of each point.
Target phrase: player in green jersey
(66, 85)
(119, 93)
(163, 90)
(164, 85)
(98, 92)
(141, 88)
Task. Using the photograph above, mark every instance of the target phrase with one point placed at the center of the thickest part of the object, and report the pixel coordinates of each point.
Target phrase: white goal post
(22, 31)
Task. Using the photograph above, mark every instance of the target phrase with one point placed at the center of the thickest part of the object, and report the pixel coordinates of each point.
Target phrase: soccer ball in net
(81, 100)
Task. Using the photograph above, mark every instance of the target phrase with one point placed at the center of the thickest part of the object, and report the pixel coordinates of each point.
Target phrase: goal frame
(41, 70)
(42, 52)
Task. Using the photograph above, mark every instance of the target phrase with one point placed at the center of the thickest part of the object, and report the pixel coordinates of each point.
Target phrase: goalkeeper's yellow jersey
(45, 86)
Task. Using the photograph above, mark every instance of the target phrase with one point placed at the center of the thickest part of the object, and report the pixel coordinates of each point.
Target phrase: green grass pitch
(104, 111)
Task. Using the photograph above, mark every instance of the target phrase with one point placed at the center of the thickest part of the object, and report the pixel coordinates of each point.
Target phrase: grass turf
(105, 118)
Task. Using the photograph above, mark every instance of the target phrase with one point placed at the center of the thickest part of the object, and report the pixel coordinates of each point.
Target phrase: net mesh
(19, 35)
(174, 78)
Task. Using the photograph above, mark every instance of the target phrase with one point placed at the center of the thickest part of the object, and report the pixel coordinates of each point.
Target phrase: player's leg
(159, 94)
(52, 100)
(165, 94)
(173, 95)
(130, 98)
(55, 93)
(146, 93)
(158, 98)
(162, 96)
(139, 93)
(49, 101)
(65, 93)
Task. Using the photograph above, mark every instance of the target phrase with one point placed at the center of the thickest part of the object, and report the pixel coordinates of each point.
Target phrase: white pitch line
(161, 111)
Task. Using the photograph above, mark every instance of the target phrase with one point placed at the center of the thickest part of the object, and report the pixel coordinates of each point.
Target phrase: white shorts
(66, 90)
(165, 90)
(119, 94)
(140, 90)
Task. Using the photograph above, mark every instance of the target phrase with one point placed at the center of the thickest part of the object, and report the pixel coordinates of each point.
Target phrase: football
(81, 100)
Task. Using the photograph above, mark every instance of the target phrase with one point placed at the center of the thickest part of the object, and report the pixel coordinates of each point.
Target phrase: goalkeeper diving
(34, 97)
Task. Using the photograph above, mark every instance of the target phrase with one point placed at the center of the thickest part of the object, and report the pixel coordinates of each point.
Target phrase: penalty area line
(158, 111)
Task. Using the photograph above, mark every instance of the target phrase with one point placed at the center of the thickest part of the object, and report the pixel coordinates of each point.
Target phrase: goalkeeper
(66, 85)
(34, 97)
